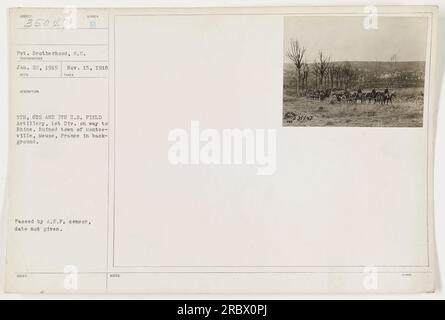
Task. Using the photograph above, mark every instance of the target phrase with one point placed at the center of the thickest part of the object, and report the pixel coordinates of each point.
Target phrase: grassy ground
(406, 111)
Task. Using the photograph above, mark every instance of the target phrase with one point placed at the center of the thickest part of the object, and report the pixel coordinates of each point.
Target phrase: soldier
(386, 96)
(372, 96)
(359, 95)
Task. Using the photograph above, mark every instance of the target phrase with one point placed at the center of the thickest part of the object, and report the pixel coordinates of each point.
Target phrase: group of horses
(341, 95)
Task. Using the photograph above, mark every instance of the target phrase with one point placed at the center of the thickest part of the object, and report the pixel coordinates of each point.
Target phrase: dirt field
(406, 111)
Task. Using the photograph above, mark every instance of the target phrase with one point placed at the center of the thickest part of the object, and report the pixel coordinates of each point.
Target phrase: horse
(324, 94)
(379, 97)
(360, 96)
(371, 96)
(388, 97)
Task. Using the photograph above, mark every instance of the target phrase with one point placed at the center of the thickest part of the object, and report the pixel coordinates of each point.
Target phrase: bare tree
(305, 75)
(323, 63)
(296, 55)
(394, 59)
(336, 75)
(316, 72)
(348, 73)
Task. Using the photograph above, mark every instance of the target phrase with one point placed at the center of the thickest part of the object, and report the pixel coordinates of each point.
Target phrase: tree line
(322, 73)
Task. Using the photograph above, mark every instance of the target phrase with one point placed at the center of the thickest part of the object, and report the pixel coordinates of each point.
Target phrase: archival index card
(221, 150)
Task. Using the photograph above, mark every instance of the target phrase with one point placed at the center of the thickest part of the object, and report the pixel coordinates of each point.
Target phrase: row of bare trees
(326, 74)
(296, 55)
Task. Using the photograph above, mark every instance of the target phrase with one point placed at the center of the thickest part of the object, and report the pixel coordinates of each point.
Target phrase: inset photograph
(340, 72)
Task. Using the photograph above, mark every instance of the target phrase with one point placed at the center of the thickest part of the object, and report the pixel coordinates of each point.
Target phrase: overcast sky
(345, 38)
